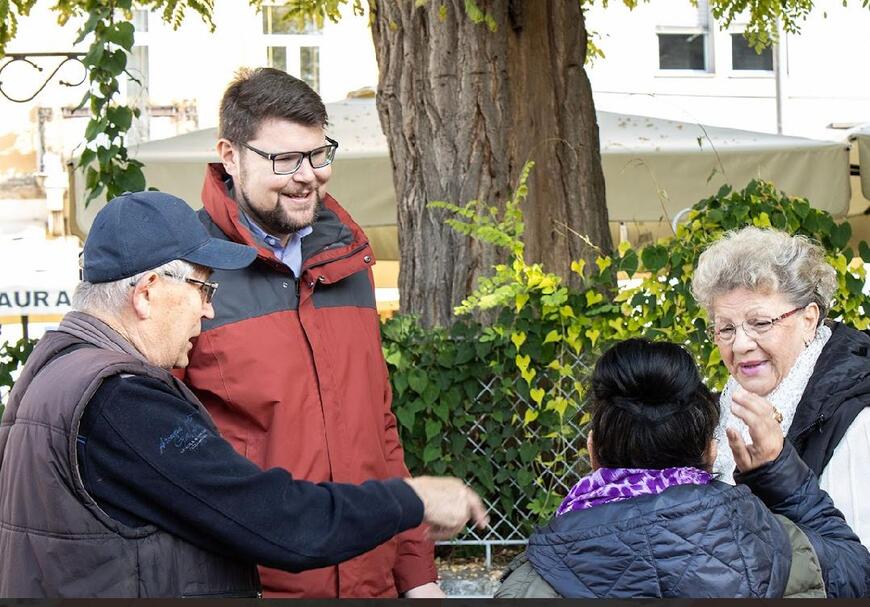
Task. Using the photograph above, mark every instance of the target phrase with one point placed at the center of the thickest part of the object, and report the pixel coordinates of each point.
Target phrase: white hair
(769, 261)
(111, 297)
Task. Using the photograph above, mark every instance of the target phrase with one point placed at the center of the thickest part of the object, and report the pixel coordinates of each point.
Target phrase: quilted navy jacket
(715, 540)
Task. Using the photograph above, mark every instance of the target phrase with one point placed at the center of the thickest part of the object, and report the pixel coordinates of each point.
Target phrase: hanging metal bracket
(28, 59)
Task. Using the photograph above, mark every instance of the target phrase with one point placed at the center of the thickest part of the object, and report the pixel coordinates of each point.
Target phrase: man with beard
(291, 366)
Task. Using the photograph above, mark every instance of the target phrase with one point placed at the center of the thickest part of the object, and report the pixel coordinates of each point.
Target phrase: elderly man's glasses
(206, 288)
(753, 327)
(287, 163)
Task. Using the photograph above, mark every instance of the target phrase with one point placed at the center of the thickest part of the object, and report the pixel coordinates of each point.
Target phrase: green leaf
(400, 383)
(418, 381)
(115, 63)
(121, 116)
(94, 55)
(432, 452)
(131, 179)
(87, 157)
(95, 126)
(654, 257)
(121, 34)
(406, 418)
(864, 251)
(528, 452)
(95, 16)
(553, 336)
(854, 285)
(431, 393)
(629, 263)
(442, 410)
(840, 235)
(433, 428)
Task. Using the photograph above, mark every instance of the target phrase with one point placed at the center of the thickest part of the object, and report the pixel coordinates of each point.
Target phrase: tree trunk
(463, 109)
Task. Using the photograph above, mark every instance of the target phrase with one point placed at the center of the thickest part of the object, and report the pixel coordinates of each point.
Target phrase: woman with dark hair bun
(651, 521)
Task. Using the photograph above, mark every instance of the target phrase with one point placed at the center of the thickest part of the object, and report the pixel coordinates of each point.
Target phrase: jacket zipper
(816, 425)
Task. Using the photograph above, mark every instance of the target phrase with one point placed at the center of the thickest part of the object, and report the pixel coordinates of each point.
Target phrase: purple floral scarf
(607, 485)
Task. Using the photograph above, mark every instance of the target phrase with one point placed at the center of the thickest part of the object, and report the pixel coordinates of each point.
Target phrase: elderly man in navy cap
(113, 479)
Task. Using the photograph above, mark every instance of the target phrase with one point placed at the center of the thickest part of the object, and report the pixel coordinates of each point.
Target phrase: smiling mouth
(297, 197)
(751, 368)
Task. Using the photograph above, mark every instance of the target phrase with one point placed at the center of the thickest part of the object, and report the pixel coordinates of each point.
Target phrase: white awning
(861, 139)
(653, 168)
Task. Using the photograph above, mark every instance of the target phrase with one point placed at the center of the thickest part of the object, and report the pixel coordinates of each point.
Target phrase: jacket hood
(711, 540)
(842, 371)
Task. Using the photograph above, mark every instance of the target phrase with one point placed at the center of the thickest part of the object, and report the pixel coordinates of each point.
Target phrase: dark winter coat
(713, 540)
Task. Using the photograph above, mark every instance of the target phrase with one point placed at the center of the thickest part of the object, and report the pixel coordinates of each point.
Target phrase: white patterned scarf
(785, 397)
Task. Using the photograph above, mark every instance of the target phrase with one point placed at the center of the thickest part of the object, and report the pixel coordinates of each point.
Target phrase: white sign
(26, 302)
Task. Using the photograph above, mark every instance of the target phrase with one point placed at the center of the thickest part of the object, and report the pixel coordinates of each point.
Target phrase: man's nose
(208, 310)
(305, 172)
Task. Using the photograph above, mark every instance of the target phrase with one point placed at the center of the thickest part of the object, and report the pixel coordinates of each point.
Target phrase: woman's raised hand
(763, 421)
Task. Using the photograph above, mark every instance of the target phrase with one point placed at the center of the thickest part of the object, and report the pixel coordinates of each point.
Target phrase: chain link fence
(554, 473)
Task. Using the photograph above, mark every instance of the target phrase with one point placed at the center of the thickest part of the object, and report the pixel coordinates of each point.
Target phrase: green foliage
(317, 11)
(658, 304)
(10, 13)
(12, 358)
(107, 168)
(534, 357)
(455, 395)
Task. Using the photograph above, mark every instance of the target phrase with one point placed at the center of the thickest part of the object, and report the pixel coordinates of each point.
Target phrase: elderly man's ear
(142, 296)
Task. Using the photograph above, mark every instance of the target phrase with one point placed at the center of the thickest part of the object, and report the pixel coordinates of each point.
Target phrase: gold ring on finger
(777, 415)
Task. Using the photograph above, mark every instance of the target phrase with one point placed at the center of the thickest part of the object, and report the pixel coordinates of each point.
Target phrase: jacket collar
(94, 331)
(842, 369)
(335, 235)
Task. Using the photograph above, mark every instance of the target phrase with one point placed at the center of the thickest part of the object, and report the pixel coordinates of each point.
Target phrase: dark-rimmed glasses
(206, 288)
(752, 327)
(287, 163)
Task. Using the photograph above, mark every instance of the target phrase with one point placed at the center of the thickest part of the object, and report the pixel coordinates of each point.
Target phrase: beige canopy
(653, 168)
(861, 139)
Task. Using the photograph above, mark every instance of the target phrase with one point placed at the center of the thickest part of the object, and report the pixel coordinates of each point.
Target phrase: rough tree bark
(463, 109)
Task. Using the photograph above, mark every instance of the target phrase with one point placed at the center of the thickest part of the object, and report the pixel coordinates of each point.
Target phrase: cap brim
(222, 255)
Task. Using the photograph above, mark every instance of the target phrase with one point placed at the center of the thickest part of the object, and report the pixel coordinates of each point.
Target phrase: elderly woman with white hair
(767, 295)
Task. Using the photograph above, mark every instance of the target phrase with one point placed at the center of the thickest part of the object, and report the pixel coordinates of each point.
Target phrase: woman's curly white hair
(766, 261)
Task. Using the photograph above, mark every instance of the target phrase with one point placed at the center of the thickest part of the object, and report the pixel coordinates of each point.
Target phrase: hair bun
(651, 373)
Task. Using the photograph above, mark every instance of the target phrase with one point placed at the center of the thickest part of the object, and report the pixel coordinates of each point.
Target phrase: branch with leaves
(108, 168)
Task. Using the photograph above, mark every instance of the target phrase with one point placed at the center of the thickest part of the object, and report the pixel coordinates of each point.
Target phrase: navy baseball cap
(140, 231)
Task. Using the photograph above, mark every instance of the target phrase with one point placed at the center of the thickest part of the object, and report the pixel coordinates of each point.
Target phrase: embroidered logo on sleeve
(187, 436)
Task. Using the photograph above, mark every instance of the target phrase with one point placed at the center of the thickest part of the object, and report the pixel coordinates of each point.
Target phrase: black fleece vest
(54, 539)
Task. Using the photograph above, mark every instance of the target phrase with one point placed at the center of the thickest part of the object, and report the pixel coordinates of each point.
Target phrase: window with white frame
(138, 79)
(291, 45)
(745, 58)
(137, 60)
(684, 39)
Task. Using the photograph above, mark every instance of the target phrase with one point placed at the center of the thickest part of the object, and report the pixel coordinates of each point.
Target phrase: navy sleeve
(788, 487)
(148, 456)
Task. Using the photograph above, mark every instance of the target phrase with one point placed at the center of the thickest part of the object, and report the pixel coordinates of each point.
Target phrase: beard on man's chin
(276, 220)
